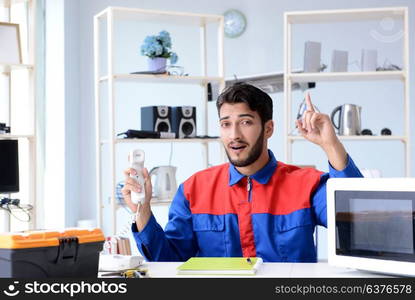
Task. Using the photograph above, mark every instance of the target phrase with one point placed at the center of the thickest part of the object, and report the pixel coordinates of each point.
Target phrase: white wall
(72, 107)
(61, 118)
(258, 50)
(54, 199)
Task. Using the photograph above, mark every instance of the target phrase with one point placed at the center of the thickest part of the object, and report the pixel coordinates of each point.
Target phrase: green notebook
(220, 266)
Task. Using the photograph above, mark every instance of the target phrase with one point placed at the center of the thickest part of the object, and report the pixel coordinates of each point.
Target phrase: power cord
(323, 66)
(171, 153)
(387, 66)
(126, 228)
(9, 201)
(13, 205)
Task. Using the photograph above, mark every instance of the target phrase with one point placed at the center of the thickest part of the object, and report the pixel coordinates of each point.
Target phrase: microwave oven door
(370, 224)
(377, 225)
(372, 229)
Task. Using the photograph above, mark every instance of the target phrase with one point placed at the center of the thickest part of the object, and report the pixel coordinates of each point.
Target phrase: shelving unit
(349, 15)
(115, 14)
(164, 78)
(192, 140)
(358, 138)
(11, 67)
(8, 3)
(347, 76)
(30, 127)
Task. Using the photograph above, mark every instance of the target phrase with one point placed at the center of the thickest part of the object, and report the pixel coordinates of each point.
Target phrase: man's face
(242, 133)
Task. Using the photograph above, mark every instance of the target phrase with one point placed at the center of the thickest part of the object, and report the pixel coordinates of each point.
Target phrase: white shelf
(8, 67)
(327, 17)
(30, 189)
(108, 19)
(16, 136)
(156, 16)
(189, 140)
(345, 15)
(357, 138)
(156, 201)
(347, 76)
(163, 78)
(7, 3)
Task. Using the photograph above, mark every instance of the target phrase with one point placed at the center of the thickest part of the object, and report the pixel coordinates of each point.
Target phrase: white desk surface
(270, 270)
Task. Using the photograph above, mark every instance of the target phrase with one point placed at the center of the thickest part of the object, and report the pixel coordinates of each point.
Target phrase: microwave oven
(371, 224)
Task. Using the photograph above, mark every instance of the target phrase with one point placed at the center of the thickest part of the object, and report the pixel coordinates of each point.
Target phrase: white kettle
(165, 185)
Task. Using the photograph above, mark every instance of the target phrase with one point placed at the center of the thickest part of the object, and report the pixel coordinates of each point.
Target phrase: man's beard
(253, 155)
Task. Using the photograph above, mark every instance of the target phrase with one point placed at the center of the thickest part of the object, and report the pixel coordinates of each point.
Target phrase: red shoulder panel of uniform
(206, 190)
(289, 189)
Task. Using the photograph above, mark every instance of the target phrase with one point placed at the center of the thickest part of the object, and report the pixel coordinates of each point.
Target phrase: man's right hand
(144, 210)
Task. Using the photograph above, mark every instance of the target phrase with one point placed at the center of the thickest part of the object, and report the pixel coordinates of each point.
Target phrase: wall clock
(235, 23)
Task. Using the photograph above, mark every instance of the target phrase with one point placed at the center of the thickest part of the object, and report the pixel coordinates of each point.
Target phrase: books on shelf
(220, 266)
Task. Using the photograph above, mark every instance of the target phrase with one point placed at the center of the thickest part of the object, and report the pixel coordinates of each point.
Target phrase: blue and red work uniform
(220, 212)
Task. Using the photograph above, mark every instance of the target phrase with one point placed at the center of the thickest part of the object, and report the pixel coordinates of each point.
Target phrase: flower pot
(157, 64)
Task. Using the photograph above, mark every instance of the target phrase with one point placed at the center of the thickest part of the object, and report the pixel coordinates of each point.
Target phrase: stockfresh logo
(12, 290)
(388, 31)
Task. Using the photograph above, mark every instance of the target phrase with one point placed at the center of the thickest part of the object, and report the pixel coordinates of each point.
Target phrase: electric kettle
(165, 185)
(349, 120)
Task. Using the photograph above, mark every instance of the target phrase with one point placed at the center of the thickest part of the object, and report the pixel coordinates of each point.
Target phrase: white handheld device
(136, 159)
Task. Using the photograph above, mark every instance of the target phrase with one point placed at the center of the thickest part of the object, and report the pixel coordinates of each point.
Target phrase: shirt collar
(262, 176)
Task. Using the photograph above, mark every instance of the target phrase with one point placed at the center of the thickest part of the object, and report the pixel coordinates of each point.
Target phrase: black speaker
(156, 118)
(184, 121)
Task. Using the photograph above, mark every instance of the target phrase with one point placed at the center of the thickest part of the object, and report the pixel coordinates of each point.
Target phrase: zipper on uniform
(249, 188)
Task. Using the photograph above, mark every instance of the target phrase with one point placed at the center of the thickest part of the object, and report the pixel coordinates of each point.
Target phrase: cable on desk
(13, 205)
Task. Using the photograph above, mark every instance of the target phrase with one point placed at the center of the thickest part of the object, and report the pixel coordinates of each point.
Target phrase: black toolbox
(43, 254)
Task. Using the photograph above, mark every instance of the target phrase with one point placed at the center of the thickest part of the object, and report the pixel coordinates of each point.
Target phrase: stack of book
(117, 245)
(220, 266)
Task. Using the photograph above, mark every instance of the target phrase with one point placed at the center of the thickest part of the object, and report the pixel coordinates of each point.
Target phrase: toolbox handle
(68, 249)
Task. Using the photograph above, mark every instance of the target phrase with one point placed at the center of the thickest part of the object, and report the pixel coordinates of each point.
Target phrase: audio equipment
(156, 118)
(184, 121)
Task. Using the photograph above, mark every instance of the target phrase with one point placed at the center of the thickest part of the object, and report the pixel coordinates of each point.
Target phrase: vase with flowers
(158, 49)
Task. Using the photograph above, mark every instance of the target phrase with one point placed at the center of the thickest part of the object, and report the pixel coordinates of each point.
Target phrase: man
(252, 206)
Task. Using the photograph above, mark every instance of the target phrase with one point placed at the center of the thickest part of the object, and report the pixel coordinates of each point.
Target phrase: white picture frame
(10, 50)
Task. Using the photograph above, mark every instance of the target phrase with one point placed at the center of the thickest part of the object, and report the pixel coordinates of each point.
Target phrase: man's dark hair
(256, 99)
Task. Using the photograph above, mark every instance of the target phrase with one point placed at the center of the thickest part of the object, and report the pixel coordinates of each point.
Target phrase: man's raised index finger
(310, 106)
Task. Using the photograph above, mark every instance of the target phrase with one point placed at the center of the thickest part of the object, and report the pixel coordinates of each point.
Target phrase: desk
(268, 270)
